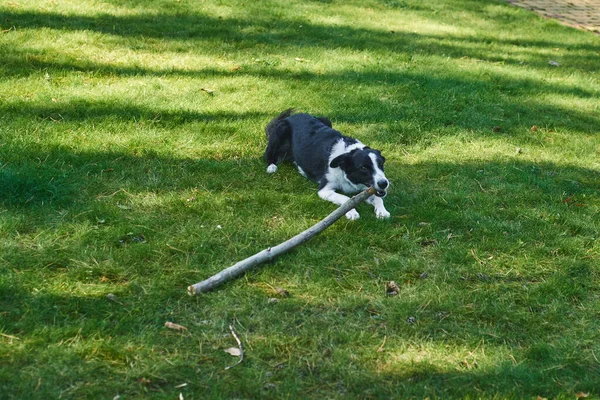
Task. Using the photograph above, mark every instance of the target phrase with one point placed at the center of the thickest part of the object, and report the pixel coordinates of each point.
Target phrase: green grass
(120, 173)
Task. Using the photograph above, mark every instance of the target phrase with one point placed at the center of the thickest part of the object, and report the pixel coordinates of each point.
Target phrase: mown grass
(120, 173)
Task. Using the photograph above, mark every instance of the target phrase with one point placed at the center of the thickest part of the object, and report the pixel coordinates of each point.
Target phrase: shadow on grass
(65, 170)
(95, 336)
(83, 110)
(465, 103)
(515, 201)
(235, 34)
(464, 99)
(297, 32)
(511, 201)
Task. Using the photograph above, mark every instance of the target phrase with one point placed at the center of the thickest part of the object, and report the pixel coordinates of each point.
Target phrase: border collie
(325, 156)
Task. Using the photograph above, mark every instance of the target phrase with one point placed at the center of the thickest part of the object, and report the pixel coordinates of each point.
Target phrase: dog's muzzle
(380, 188)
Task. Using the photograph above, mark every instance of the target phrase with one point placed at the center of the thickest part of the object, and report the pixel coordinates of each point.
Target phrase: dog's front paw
(271, 169)
(352, 215)
(382, 214)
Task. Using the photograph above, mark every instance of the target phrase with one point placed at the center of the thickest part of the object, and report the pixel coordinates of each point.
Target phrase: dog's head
(363, 167)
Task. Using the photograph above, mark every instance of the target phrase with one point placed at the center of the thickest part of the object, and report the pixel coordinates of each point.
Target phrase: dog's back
(312, 142)
(303, 139)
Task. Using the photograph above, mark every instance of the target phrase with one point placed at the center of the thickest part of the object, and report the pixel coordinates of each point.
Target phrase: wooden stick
(272, 252)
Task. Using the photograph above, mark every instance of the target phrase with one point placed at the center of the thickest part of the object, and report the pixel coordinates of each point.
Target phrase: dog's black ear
(339, 161)
(325, 121)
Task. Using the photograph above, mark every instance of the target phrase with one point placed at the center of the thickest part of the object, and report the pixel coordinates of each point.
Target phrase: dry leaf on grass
(174, 326)
(238, 352)
(392, 288)
(582, 395)
(234, 351)
(282, 292)
(114, 298)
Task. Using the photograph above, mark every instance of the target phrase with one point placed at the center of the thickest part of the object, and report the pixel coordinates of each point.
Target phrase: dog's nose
(382, 184)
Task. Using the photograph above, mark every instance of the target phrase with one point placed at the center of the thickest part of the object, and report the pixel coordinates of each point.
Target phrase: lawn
(131, 140)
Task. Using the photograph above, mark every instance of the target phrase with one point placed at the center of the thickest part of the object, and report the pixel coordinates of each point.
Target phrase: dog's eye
(364, 169)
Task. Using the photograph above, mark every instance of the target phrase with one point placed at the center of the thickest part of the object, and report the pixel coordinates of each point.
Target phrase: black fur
(325, 156)
(279, 139)
(308, 147)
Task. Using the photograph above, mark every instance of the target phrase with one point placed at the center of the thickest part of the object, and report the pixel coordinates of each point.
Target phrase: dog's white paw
(271, 169)
(352, 215)
(382, 214)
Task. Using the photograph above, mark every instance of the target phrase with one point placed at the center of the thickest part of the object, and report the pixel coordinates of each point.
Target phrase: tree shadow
(373, 94)
(81, 110)
(513, 199)
(509, 200)
(284, 33)
(380, 103)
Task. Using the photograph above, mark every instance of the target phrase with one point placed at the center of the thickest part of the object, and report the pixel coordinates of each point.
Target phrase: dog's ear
(325, 121)
(379, 154)
(339, 161)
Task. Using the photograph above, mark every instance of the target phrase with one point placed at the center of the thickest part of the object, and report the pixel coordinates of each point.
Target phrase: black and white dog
(325, 156)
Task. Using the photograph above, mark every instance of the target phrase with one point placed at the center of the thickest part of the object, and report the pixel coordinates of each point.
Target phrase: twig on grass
(272, 252)
(11, 337)
(380, 349)
(480, 186)
(240, 347)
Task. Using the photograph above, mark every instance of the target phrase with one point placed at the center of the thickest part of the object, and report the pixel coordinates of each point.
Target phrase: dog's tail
(278, 141)
(275, 123)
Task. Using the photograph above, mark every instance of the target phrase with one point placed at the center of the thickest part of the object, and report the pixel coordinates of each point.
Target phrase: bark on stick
(272, 252)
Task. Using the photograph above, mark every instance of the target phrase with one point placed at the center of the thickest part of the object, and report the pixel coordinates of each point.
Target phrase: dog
(325, 156)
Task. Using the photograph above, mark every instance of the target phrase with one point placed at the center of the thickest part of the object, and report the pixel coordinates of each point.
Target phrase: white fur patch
(301, 172)
(271, 169)
(377, 203)
(352, 215)
(340, 148)
(330, 195)
(378, 174)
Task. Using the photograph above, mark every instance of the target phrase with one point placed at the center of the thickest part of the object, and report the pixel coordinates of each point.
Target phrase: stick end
(191, 290)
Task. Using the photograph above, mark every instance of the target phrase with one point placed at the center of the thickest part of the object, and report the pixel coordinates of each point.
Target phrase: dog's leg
(272, 156)
(377, 203)
(278, 147)
(339, 199)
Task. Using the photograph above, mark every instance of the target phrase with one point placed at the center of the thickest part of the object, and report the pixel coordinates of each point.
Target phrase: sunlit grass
(131, 139)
